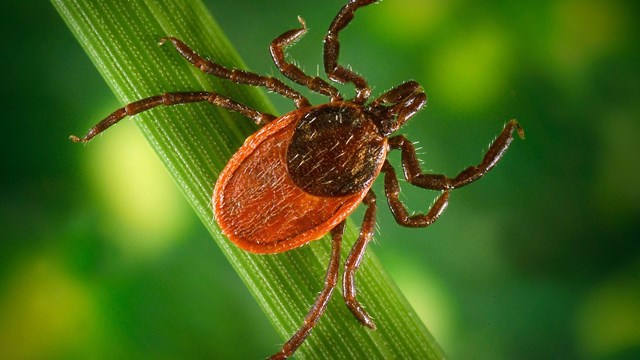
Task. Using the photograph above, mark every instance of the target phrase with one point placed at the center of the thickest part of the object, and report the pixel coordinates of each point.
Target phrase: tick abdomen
(260, 208)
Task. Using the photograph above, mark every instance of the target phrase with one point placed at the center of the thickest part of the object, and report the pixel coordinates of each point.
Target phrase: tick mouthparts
(520, 131)
(76, 139)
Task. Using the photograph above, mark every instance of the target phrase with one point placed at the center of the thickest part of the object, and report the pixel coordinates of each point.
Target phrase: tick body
(298, 177)
(302, 174)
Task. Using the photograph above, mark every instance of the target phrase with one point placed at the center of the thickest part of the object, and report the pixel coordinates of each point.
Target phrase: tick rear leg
(355, 257)
(415, 176)
(339, 73)
(399, 211)
(322, 300)
(174, 98)
(236, 75)
(293, 72)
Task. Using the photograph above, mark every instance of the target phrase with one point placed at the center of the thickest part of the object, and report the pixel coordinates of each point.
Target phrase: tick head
(392, 109)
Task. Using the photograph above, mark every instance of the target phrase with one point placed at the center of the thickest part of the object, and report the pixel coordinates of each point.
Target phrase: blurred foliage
(100, 258)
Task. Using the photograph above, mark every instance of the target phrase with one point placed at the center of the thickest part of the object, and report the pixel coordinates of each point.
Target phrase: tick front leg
(355, 257)
(399, 211)
(415, 176)
(396, 94)
(338, 72)
(322, 300)
(295, 73)
(236, 75)
(173, 98)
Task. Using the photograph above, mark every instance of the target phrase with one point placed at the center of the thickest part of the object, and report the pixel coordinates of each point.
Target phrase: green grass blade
(195, 141)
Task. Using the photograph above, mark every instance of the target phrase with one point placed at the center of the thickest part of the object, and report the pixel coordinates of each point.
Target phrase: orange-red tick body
(258, 204)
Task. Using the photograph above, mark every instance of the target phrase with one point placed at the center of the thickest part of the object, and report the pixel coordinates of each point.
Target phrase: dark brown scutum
(335, 151)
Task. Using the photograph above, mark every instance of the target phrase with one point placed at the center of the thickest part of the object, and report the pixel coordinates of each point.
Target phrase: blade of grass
(195, 141)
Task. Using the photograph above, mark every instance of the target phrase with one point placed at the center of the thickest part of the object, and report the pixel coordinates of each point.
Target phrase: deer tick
(302, 174)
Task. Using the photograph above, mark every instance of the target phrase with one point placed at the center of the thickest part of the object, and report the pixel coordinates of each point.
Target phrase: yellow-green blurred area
(102, 258)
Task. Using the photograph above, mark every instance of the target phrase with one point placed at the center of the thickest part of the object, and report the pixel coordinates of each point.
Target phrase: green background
(100, 257)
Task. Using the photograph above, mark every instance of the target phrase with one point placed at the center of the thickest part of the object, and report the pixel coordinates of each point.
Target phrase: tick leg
(322, 300)
(337, 72)
(293, 72)
(398, 93)
(355, 257)
(236, 75)
(399, 211)
(415, 176)
(174, 98)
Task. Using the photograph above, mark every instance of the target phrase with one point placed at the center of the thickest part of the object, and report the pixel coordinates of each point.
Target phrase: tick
(300, 175)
